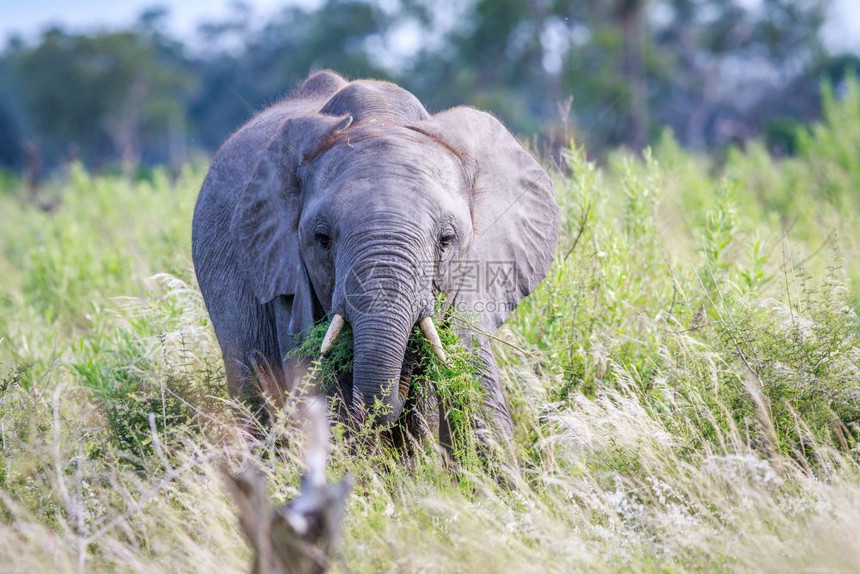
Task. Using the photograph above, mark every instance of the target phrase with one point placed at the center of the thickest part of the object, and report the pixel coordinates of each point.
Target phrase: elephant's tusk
(337, 323)
(429, 330)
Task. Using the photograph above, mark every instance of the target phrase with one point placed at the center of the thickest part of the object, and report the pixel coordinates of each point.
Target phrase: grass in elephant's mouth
(454, 384)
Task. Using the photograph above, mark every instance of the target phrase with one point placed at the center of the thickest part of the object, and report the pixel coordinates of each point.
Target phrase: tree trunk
(629, 14)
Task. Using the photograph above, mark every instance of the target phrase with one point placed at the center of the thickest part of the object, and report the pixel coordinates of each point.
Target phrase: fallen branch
(299, 537)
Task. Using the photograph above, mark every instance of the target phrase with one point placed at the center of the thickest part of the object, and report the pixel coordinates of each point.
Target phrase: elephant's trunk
(382, 296)
(380, 345)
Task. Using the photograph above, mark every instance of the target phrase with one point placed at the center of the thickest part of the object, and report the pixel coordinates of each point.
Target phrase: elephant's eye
(323, 239)
(446, 239)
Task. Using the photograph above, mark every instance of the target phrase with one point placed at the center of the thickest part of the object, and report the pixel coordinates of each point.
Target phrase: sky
(26, 18)
(842, 30)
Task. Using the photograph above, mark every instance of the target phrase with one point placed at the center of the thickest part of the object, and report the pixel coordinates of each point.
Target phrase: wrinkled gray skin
(349, 197)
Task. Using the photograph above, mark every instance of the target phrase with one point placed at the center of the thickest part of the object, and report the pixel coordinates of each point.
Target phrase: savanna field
(685, 384)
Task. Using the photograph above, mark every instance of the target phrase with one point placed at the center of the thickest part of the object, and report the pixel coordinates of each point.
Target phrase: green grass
(685, 384)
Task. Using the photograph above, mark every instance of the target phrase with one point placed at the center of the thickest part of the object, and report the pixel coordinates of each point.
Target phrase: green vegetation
(685, 384)
(455, 383)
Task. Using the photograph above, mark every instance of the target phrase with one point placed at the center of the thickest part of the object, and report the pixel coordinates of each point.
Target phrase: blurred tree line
(614, 72)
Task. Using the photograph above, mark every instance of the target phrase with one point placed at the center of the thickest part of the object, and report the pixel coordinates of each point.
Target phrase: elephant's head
(369, 207)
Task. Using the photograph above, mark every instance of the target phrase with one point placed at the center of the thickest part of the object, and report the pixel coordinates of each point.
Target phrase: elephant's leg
(496, 441)
(249, 344)
(499, 416)
(495, 429)
(446, 434)
(420, 419)
(251, 380)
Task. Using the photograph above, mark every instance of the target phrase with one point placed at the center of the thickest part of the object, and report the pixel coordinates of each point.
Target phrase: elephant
(348, 200)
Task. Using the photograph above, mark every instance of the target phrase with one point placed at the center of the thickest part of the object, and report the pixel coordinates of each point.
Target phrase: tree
(705, 68)
(274, 59)
(99, 96)
(11, 153)
(728, 56)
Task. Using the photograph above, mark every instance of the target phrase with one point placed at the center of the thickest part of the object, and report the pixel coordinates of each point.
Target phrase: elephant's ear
(265, 221)
(514, 214)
